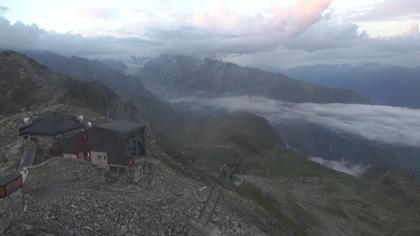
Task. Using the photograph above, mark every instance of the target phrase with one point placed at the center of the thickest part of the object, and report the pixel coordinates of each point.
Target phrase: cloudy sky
(278, 33)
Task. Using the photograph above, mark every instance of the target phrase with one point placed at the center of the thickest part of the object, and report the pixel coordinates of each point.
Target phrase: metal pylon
(223, 178)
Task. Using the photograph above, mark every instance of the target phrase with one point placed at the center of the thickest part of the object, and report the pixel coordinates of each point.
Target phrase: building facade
(119, 144)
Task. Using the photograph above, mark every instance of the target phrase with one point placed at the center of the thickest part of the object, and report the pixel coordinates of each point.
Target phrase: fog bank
(385, 124)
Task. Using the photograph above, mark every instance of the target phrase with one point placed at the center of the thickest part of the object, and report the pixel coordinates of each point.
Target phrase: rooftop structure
(51, 125)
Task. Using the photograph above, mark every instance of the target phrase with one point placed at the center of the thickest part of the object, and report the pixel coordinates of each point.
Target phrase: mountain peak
(178, 76)
(14, 59)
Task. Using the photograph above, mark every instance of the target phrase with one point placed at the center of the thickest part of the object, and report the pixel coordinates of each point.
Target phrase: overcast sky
(278, 33)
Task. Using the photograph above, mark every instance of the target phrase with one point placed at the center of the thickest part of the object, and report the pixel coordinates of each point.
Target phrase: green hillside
(302, 197)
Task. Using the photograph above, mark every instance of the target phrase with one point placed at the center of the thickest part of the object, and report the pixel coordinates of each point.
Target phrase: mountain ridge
(381, 84)
(27, 85)
(179, 76)
(281, 191)
(90, 70)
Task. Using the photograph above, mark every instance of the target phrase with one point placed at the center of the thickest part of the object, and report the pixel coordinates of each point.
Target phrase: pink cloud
(282, 20)
(411, 30)
(299, 16)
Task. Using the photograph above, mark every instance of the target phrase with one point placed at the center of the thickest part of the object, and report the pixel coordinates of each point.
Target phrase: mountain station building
(119, 144)
(47, 130)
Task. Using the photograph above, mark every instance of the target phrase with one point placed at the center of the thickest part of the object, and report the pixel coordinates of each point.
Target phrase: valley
(279, 190)
(210, 118)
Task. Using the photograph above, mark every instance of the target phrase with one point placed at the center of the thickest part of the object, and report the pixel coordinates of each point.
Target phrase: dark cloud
(331, 42)
(3, 9)
(196, 41)
(391, 125)
(19, 36)
(329, 34)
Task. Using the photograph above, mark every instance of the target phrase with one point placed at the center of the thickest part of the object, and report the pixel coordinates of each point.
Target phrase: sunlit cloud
(411, 30)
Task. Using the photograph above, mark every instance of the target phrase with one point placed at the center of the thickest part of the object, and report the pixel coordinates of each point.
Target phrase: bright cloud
(411, 30)
(391, 9)
(95, 13)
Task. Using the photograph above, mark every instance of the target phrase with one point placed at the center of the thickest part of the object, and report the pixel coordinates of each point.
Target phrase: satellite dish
(89, 124)
(80, 118)
(27, 120)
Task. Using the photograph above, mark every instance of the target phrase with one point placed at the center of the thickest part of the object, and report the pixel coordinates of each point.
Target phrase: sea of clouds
(386, 124)
(383, 124)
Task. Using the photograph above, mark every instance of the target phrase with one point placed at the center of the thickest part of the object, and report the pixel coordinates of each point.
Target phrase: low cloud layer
(385, 124)
(21, 37)
(341, 166)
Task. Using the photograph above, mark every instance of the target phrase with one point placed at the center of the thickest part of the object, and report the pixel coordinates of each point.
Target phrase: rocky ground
(69, 197)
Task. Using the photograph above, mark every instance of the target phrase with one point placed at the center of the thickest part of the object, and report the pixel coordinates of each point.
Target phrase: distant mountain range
(180, 76)
(384, 85)
(108, 73)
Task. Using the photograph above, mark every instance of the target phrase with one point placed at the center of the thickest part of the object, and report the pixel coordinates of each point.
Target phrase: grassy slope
(302, 197)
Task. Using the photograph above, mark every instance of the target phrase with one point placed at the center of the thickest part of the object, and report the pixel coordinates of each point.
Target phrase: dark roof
(8, 178)
(51, 125)
(121, 126)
